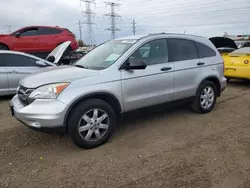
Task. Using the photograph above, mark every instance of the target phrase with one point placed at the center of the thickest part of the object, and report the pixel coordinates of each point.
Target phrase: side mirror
(41, 64)
(133, 64)
(17, 35)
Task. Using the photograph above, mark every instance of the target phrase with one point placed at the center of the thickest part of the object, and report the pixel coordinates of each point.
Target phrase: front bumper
(223, 84)
(40, 114)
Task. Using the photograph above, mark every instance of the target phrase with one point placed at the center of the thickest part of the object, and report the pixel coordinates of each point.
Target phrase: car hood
(55, 75)
(223, 42)
(58, 52)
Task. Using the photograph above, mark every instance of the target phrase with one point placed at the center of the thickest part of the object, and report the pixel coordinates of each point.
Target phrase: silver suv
(119, 76)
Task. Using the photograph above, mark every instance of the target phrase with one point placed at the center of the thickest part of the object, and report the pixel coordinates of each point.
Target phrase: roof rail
(162, 33)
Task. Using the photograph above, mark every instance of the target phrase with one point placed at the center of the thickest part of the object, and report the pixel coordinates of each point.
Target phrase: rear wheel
(3, 47)
(205, 97)
(92, 123)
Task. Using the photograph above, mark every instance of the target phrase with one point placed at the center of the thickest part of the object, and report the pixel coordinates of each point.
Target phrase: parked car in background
(224, 45)
(120, 76)
(237, 64)
(37, 40)
(14, 66)
(242, 44)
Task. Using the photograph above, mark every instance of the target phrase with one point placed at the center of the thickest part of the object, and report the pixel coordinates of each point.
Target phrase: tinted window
(181, 49)
(204, 51)
(13, 60)
(154, 52)
(1, 60)
(29, 32)
(48, 31)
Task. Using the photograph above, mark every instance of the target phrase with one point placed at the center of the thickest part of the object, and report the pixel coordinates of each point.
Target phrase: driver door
(26, 40)
(153, 85)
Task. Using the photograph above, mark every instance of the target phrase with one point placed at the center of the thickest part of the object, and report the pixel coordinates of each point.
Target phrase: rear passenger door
(183, 53)
(48, 38)
(3, 77)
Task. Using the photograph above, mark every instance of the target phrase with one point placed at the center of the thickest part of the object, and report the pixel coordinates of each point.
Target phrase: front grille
(23, 94)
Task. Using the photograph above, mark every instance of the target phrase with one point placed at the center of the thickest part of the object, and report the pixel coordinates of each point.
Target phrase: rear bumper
(74, 45)
(223, 84)
(237, 72)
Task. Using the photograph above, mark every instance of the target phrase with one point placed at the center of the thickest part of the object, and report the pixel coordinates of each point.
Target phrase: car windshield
(239, 43)
(104, 55)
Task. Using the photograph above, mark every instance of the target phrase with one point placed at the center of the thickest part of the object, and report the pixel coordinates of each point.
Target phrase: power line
(113, 17)
(89, 15)
(134, 26)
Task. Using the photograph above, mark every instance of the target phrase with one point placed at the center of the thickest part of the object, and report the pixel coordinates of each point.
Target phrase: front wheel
(91, 123)
(205, 97)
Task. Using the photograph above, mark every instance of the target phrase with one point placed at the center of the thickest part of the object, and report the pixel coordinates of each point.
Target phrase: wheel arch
(216, 81)
(1, 43)
(105, 96)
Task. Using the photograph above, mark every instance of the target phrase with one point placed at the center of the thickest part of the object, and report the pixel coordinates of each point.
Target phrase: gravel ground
(168, 149)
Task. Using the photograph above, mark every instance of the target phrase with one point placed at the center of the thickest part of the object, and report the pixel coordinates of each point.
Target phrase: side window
(2, 62)
(153, 52)
(14, 60)
(48, 31)
(204, 51)
(29, 32)
(182, 49)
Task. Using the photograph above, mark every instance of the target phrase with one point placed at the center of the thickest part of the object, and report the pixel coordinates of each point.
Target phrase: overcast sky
(200, 17)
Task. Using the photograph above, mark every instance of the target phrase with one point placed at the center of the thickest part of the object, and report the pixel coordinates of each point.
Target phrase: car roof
(54, 27)
(138, 37)
(245, 50)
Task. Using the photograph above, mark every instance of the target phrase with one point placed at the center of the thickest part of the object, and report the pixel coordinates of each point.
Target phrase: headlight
(50, 91)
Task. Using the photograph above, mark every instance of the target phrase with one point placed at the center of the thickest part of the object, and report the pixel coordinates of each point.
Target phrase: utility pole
(8, 27)
(89, 15)
(134, 26)
(80, 29)
(113, 17)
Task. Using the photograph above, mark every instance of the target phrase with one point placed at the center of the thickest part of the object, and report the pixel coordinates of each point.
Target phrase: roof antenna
(185, 32)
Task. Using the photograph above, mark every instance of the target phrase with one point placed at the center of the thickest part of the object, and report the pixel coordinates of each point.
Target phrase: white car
(14, 66)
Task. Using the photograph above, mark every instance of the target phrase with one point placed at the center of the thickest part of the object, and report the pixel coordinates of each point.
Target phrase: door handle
(166, 68)
(200, 63)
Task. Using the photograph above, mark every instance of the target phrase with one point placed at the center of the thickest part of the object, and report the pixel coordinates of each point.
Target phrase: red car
(37, 39)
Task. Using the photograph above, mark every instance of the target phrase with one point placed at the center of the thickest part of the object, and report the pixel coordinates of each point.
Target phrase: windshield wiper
(81, 66)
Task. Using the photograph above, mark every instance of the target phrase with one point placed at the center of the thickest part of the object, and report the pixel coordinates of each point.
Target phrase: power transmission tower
(134, 26)
(8, 27)
(89, 15)
(113, 17)
(80, 29)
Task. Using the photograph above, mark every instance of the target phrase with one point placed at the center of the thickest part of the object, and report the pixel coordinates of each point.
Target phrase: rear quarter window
(204, 50)
(182, 49)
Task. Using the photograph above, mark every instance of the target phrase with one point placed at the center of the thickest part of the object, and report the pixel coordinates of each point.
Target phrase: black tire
(77, 114)
(196, 105)
(3, 47)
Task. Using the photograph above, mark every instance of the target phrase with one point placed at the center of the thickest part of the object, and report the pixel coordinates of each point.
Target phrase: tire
(77, 119)
(3, 47)
(197, 104)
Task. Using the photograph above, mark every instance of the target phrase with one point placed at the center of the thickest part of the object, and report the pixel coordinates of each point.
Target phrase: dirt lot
(168, 149)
